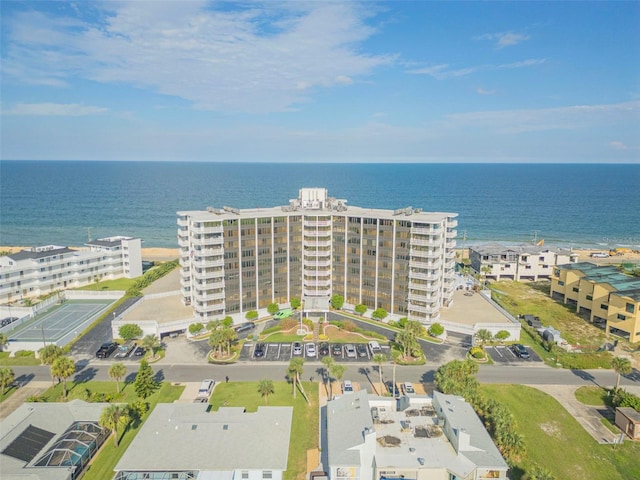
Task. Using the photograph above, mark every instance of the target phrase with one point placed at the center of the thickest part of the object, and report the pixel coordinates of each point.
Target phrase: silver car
(350, 351)
(296, 348)
(310, 350)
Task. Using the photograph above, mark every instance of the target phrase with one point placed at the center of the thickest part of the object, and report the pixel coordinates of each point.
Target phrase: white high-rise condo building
(233, 261)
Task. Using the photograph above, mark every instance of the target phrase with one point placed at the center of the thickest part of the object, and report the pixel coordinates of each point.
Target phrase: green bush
(403, 322)
(379, 314)
(336, 323)
(195, 328)
(130, 331)
(360, 309)
(622, 398)
(436, 330)
(149, 277)
(24, 353)
(477, 352)
(337, 301)
(372, 334)
(295, 303)
(251, 315)
(272, 308)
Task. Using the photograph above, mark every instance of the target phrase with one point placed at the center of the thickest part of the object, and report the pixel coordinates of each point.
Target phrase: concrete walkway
(20, 396)
(588, 416)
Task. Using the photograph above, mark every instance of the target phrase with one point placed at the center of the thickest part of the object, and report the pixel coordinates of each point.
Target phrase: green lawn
(7, 361)
(116, 284)
(558, 442)
(8, 391)
(596, 396)
(304, 428)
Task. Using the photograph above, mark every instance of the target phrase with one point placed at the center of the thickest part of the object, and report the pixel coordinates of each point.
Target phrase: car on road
(310, 350)
(296, 348)
(258, 351)
(106, 349)
(323, 349)
(375, 347)
(350, 351)
(408, 389)
(520, 350)
(245, 327)
(361, 350)
(336, 350)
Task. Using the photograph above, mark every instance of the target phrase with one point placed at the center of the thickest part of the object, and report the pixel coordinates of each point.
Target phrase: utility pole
(89, 234)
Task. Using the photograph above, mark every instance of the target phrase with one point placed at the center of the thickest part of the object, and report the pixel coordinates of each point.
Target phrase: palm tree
(622, 366)
(406, 339)
(63, 368)
(48, 354)
(151, 343)
(328, 363)
(229, 335)
(112, 417)
(3, 341)
(7, 376)
(216, 340)
(395, 356)
(116, 372)
(484, 336)
(265, 388)
(337, 370)
(295, 371)
(379, 359)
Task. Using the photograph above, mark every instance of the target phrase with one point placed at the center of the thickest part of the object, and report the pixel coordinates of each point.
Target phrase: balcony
(424, 243)
(452, 223)
(183, 241)
(425, 230)
(425, 253)
(203, 275)
(451, 244)
(423, 276)
(206, 230)
(416, 297)
(202, 295)
(429, 265)
(183, 222)
(209, 241)
(317, 243)
(317, 262)
(451, 233)
(317, 223)
(201, 262)
(210, 308)
(310, 284)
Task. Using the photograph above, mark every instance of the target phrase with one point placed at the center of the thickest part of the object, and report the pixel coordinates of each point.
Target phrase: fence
(91, 295)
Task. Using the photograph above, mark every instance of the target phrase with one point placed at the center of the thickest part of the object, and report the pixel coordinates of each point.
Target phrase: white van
(205, 388)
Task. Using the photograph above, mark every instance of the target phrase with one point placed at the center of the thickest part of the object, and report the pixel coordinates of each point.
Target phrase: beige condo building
(233, 261)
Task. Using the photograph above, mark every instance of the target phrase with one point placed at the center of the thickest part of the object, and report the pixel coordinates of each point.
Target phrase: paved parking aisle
(503, 355)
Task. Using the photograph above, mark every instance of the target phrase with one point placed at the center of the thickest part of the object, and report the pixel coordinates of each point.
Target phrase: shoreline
(165, 254)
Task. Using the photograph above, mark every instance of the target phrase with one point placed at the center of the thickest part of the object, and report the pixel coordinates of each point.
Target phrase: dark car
(140, 351)
(106, 349)
(323, 348)
(393, 389)
(245, 327)
(336, 350)
(361, 349)
(520, 350)
(259, 350)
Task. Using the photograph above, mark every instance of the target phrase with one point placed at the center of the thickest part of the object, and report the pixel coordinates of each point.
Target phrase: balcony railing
(208, 263)
(205, 230)
(414, 252)
(425, 243)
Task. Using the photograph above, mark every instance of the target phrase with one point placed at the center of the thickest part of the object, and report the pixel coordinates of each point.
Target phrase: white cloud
(617, 145)
(504, 39)
(54, 109)
(443, 72)
(255, 57)
(482, 91)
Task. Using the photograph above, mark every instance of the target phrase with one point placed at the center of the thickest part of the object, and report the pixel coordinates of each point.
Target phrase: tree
(229, 335)
(415, 327)
(62, 368)
(536, 472)
(379, 314)
(294, 371)
(145, 383)
(3, 341)
(485, 270)
(622, 366)
(216, 340)
(337, 370)
(502, 335)
(295, 302)
(195, 328)
(251, 315)
(360, 309)
(328, 363)
(112, 417)
(407, 340)
(337, 301)
(117, 371)
(484, 336)
(379, 359)
(213, 325)
(7, 376)
(130, 331)
(227, 321)
(48, 354)
(265, 388)
(436, 329)
(458, 378)
(152, 343)
(272, 308)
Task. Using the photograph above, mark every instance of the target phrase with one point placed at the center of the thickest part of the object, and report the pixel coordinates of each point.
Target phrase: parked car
(336, 350)
(310, 350)
(347, 386)
(258, 351)
(139, 352)
(296, 348)
(245, 327)
(284, 313)
(106, 349)
(323, 348)
(375, 347)
(520, 350)
(350, 351)
(393, 389)
(408, 389)
(361, 350)
(124, 350)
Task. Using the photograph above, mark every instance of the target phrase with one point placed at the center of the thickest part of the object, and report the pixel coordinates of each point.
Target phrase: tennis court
(67, 319)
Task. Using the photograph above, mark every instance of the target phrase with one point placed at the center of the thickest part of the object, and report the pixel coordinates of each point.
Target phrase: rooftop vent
(225, 427)
(421, 460)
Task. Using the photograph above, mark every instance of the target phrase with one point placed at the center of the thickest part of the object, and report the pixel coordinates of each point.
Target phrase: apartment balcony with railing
(316, 283)
(202, 295)
(428, 309)
(316, 242)
(452, 222)
(425, 242)
(421, 298)
(211, 251)
(422, 230)
(210, 308)
(208, 240)
(417, 263)
(317, 262)
(451, 233)
(208, 275)
(183, 222)
(202, 262)
(183, 241)
(316, 223)
(209, 284)
(422, 276)
(432, 253)
(200, 230)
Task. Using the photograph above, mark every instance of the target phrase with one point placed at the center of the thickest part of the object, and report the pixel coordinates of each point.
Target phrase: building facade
(42, 270)
(233, 261)
(602, 295)
(523, 262)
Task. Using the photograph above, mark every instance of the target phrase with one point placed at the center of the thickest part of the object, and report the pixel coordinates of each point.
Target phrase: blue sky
(321, 81)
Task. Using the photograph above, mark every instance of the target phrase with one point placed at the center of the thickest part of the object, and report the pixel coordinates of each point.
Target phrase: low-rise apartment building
(42, 270)
(523, 262)
(602, 295)
(370, 438)
(234, 261)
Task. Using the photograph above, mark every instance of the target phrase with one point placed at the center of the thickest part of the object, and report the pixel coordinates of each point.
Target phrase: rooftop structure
(371, 439)
(188, 441)
(50, 441)
(233, 261)
(45, 269)
(521, 262)
(602, 295)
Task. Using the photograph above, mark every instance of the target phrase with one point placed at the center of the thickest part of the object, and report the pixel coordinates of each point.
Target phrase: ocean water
(45, 202)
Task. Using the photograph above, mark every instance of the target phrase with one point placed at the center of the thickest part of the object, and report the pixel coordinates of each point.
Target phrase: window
(575, 289)
(630, 308)
(267, 474)
(561, 283)
(590, 297)
(621, 317)
(244, 475)
(604, 306)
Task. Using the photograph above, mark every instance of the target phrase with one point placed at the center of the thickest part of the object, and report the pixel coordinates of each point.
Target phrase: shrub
(24, 353)
(272, 308)
(251, 315)
(336, 323)
(349, 326)
(337, 301)
(379, 314)
(195, 328)
(402, 322)
(295, 302)
(436, 329)
(308, 322)
(622, 398)
(227, 321)
(130, 331)
(502, 335)
(373, 334)
(149, 277)
(360, 309)
(477, 352)
(288, 323)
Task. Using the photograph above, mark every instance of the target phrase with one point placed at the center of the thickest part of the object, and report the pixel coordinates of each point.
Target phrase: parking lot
(283, 352)
(505, 355)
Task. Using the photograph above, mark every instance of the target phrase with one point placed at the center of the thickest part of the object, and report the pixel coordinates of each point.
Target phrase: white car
(347, 386)
(375, 347)
(296, 348)
(310, 350)
(408, 389)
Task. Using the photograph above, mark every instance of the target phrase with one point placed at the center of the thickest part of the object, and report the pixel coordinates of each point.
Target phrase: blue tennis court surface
(57, 322)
